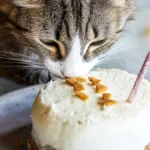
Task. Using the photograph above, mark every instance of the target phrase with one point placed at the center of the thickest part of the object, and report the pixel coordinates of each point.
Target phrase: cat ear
(28, 3)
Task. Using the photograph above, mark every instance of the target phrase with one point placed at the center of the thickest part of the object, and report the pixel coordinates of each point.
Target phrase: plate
(15, 121)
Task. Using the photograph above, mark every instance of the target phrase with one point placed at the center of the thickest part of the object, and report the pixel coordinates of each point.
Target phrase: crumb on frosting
(101, 88)
(80, 79)
(94, 80)
(79, 87)
(107, 96)
(71, 81)
(82, 95)
(107, 102)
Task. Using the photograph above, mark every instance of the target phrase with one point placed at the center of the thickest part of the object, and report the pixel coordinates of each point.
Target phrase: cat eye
(57, 48)
(49, 43)
(97, 43)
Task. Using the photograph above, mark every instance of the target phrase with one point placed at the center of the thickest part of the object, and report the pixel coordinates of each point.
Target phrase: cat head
(70, 36)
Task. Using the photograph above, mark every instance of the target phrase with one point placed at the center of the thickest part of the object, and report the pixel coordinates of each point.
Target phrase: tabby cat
(41, 39)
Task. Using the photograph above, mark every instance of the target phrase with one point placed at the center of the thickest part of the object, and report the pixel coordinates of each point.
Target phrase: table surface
(130, 60)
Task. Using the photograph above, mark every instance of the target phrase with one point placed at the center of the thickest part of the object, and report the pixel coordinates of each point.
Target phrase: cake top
(58, 99)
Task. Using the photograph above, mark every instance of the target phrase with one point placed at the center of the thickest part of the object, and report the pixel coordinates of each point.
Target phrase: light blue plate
(15, 110)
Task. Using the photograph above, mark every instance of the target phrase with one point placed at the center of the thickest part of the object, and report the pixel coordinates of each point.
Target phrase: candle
(139, 79)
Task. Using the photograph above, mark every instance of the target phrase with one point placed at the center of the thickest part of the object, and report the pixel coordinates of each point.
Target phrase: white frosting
(65, 122)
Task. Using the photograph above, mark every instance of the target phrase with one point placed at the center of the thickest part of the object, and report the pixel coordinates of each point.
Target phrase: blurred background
(128, 53)
(131, 49)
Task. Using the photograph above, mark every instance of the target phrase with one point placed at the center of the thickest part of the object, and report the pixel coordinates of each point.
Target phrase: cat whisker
(23, 67)
(17, 54)
(21, 63)
(19, 60)
(118, 50)
(104, 58)
(124, 41)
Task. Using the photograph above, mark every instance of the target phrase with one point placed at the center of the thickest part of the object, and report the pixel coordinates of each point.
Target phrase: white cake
(63, 121)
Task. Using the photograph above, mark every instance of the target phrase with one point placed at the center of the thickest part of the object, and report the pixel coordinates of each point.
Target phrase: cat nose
(68, 73)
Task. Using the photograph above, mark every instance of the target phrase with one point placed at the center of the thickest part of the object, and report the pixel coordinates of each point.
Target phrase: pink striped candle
(139, 79)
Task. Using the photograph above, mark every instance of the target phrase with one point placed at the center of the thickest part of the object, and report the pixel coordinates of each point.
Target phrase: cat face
(70, 36)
